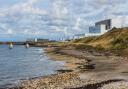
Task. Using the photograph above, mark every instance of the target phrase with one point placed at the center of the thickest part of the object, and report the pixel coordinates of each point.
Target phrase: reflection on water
(21, 63)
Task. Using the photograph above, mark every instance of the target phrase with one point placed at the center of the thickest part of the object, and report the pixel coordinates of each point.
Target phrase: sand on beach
(84, 70)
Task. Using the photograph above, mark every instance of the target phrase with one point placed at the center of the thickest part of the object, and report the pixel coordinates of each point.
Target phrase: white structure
(117, 22)
(120, 21)
(10, 46)
(35, 40)
(103, 26)
(78, 36)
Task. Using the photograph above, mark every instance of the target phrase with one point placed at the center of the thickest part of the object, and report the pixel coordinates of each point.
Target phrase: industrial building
(103, 26)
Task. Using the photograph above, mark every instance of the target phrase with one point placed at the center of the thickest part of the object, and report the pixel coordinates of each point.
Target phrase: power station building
(103, 26)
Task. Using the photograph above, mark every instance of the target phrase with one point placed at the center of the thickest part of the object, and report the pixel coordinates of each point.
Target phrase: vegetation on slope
(116, 40)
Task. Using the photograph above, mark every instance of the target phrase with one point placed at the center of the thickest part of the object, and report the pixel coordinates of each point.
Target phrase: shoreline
(89, 64)
(82, 71)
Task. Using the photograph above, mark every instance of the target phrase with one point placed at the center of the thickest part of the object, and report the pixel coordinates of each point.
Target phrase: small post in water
(10, 45)
(27, 45)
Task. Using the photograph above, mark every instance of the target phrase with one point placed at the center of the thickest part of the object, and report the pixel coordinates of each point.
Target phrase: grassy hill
(116, 39)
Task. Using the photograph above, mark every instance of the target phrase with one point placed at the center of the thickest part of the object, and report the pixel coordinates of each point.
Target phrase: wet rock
(64, 71)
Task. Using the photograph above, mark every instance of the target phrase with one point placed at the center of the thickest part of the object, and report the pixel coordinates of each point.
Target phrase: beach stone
(116, 85)
(58, 81)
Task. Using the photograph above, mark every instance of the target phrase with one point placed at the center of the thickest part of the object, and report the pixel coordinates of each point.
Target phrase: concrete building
(103, 26)
(107, 23)
(110, 23)
(117, 22)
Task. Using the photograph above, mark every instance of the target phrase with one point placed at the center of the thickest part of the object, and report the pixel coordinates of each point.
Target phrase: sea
(22, 63)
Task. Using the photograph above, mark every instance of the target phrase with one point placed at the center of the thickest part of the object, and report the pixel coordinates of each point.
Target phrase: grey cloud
(62, 14)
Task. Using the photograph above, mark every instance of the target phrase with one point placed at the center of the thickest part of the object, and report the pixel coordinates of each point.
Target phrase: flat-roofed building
(117, 22)
(107, 23)
(103, 26)
(110, 23)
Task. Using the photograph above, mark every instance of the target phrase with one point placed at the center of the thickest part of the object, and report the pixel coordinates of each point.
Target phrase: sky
(54, 19)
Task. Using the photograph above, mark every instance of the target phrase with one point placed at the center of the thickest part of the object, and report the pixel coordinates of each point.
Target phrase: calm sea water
(21, 63)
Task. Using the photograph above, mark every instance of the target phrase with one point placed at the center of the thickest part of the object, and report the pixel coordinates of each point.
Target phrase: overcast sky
(21, 19)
